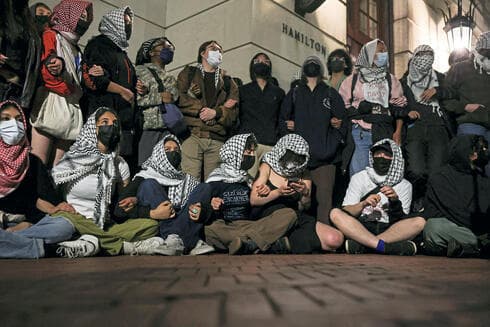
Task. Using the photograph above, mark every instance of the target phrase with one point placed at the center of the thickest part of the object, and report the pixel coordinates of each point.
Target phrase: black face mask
(109, 135)
(41, 20)
(175, 158)
(337, 65)
(483, 158)
(247, 162)
(312, 70)
(261, 70)
(128, 29)
(82, 27)
(381, 165)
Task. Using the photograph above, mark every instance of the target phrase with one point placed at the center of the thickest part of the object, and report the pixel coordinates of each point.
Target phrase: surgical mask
(381, 59)
(337, 65)
(247, 162)
(214, 58)
(381, 165)
(167, 55)
(109, 135)
(128, 29)
(12, 131)
(262, 70)
(82, 27)
(312, 69)
(175, 158)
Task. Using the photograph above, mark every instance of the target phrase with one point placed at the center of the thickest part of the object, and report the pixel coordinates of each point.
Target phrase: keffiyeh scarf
(421, 76)
(483, 42)
(294, 143)
(231, 155)
(112, 25)
(397, 168)
(83, 159)
(66, 15)
(159, 168)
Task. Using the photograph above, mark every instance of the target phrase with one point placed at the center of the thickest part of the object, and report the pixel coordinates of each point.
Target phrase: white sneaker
(150, 246)
(175, 243)
(85, 246)
(201, 248)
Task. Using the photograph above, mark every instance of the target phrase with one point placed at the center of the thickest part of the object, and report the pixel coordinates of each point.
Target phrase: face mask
(167, 56)
(82, 27)
(41, 20)
(312, 70)
(109, 135)
(423, 63)
(261, 70)
(214, 58)
(247, 162)
(381, 165)
(381, 59)
(175, 158)
(128, 29)
(482, 159)
(337, 65)
(485, 64)
(12, 131)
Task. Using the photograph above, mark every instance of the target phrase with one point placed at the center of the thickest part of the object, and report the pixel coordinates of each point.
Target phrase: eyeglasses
(265, 61)
(338, 58)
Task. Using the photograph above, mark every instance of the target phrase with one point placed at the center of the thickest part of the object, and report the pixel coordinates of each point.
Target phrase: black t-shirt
(36, 184)
(236, 198)
(210, 89)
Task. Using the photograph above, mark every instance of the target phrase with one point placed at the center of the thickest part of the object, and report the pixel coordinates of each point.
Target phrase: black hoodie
(458, 192)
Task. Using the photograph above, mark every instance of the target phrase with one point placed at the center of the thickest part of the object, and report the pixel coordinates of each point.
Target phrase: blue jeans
(363, 142)
(29, 243)
(151, 193)
(475, 129)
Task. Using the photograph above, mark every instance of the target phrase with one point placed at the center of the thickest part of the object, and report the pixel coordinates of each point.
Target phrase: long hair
(203, 48)
(340, 53)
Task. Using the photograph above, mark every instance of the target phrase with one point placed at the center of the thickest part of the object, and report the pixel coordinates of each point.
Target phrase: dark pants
(323, 179)
(426, 152)
(151, 193)
(303, 238)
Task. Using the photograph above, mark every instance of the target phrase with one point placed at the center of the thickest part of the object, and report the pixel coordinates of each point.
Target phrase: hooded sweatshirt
(457, 192)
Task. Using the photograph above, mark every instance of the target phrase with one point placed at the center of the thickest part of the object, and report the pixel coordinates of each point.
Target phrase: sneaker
(241, 247)
(401, 248)
(175, 243)
(151, 246)
(352, 247)
(458, 250)
(201, 248)
(85, 246)
(281, 246)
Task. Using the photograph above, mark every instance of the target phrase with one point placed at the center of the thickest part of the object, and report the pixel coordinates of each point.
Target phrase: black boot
(281, 246)
(240, 247)
(458, 250)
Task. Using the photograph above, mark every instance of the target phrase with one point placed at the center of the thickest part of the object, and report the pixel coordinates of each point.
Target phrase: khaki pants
(259, 153)
(263, 232)
(198, 152)
(111, 240)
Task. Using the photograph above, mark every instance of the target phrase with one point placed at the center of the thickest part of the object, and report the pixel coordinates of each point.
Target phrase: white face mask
(12, 131)
(214, 58)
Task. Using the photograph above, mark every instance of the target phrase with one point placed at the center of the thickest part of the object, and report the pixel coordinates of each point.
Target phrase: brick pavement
(220, 290)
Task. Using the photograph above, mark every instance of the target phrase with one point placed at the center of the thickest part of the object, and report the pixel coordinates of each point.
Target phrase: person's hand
(207, 114)
(195, 211)
(428, 94)
(63, 206)
(195, 89)
(397, 138)
(389, 192)
(164, 211)
(371, 200)
(398, 101)
(285, 190)
(335, 122)
(290, 125)
(96, 70)
(55, 66)
(262, 190)
(20, 226)
(141, 89)
(230, 103)
(166, 97)
(413, 115)
(363, 124)
(128, 204)
(470, 107)
(299, 187)
(216, 203)
(3, 59)
(127, 95)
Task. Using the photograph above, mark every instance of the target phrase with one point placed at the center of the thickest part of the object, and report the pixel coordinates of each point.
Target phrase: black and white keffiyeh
(364, 63)
(217, 73)
(482, 63)
(83, 159)
(143, 55)
(180, 185)
(112, 25)
(294, 143)
(231, 155)
(421, 76)
(397, 168)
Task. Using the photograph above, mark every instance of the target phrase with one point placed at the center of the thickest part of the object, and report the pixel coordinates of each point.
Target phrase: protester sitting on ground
(374, 213)
(172, 197)
(235, 229)
(89, 175)
(27, 194)
(457, 204)
(284, 184)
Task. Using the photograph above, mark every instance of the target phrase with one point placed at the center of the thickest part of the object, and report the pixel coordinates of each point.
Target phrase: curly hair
(340, 53)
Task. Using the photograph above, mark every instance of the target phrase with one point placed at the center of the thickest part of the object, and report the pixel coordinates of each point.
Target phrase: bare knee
(330, 238)
(335, 215)
(418, 223)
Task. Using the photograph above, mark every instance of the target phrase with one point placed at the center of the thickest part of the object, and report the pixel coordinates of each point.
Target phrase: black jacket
(118, 68)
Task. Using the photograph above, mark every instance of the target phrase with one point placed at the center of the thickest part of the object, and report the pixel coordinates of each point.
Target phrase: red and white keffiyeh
(67, 13)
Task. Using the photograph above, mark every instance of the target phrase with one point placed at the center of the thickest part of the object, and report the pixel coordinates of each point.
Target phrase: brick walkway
(220, 290)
